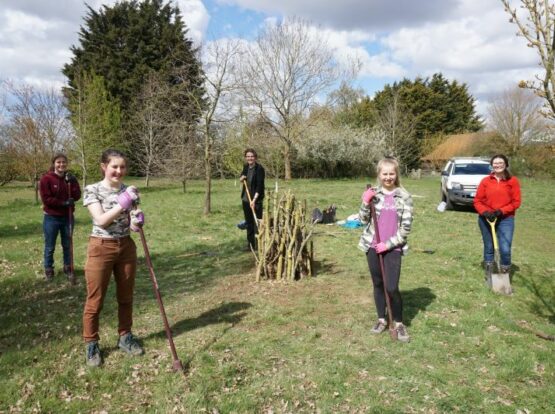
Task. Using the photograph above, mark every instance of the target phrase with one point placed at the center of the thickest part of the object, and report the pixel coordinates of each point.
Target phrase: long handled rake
(392, 331)
(72, 279)
(176, 365)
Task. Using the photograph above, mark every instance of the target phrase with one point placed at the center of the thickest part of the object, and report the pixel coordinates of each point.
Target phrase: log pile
(284, 249)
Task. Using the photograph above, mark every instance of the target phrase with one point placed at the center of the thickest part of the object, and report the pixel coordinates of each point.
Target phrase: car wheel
(449, 205)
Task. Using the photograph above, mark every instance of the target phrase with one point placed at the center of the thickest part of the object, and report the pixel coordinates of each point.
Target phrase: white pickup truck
(460, 178)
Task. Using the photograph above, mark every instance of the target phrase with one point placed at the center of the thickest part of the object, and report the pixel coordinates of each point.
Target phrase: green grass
(283, 347)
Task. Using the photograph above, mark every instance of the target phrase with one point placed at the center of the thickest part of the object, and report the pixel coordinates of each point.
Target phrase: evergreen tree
(438, 106)
(126, 42)
(97, 123)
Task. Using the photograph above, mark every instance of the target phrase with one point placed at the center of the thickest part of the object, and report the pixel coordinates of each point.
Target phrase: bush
(534, 160)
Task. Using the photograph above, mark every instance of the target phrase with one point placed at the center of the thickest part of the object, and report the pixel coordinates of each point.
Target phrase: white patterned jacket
(403, 204)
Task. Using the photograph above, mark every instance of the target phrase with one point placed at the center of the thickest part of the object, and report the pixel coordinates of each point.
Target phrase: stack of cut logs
(284, 251)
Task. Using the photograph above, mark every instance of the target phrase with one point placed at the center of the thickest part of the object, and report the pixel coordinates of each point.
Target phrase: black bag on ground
(325, 217)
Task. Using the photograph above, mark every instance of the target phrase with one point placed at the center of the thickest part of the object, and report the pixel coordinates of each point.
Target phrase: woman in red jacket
(498, 197)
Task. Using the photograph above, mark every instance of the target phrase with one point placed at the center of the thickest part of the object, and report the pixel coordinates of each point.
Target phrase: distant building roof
(459, 145)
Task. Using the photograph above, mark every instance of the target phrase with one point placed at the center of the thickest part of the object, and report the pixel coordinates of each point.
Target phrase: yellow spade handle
(250, 201)
(493, 234)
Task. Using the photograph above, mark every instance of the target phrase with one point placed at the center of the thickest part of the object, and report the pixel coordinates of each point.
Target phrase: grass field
(298, 347)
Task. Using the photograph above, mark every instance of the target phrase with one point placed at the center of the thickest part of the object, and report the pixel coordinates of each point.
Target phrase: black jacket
(257, 185)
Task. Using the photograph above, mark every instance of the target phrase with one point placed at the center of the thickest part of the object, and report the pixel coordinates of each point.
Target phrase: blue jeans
(52, 225)
(504, 228)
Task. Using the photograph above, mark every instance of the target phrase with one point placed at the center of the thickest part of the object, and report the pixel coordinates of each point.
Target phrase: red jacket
(53, 192)
(501, 195)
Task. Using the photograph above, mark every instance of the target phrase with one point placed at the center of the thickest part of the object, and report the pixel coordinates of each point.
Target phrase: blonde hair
(391, 162)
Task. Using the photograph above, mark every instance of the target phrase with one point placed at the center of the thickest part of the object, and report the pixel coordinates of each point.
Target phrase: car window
(470, 169)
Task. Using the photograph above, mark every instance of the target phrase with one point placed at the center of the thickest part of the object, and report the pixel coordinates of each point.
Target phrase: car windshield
(469, 169)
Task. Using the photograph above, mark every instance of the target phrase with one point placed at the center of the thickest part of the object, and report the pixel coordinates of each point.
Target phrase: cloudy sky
(467, 40)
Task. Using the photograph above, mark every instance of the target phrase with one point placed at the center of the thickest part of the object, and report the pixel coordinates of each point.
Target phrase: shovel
(499, 282)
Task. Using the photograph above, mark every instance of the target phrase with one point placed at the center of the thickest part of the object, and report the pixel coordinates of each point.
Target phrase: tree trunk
(184, 184)
(207, 175)
(287, 161)
(36, 188)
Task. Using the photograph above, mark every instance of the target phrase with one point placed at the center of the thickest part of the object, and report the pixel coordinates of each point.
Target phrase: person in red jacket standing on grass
(58, 191)
(498, 197)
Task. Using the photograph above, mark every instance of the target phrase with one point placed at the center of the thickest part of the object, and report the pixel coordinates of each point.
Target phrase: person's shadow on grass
(414, 301)
(230, 313)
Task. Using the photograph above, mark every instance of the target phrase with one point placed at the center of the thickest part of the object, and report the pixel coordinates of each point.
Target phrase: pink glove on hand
(381, 248)
(368, 195)
(126, 198)
(137, 220)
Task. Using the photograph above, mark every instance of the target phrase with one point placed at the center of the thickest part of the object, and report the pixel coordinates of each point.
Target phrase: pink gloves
(126, 198)
(137, 220)
(368, 195)
(381, 248)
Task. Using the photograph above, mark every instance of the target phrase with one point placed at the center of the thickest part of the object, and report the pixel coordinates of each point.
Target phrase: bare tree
(284, 71)
(397, 127)
(182, 157)
(515, 114)
(37, 127)
(152, 121)
(220, 60)
(538, 28)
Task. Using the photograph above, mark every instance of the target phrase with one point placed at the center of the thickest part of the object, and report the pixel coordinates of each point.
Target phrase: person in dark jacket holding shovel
(58, 191)
(498, 198)
(252, 194)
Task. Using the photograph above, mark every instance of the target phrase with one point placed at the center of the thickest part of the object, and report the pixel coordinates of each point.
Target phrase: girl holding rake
(111, 250)
(393, 210)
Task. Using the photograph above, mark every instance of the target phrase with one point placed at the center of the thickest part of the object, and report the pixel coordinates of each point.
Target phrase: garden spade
(500, 282)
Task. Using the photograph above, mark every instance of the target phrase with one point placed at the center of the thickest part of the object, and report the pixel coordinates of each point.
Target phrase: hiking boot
(129, 344)
(505, 269)
(93, 354)
(69, 274)
(379, 327)
(402, 334)
(48, 274)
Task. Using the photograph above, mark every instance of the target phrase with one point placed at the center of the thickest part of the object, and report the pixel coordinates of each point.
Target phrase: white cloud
(196, 18)
(351, 46)
(480, 50)
(35, 35)
(467, 40)
(355, 14)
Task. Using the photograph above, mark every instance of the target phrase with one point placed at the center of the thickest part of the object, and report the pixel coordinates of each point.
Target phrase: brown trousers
(105, 256)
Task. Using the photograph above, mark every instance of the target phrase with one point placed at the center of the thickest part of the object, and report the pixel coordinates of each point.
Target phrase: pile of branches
(284, 249)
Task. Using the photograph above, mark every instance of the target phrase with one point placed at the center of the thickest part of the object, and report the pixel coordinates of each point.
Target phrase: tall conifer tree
(126, 42)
